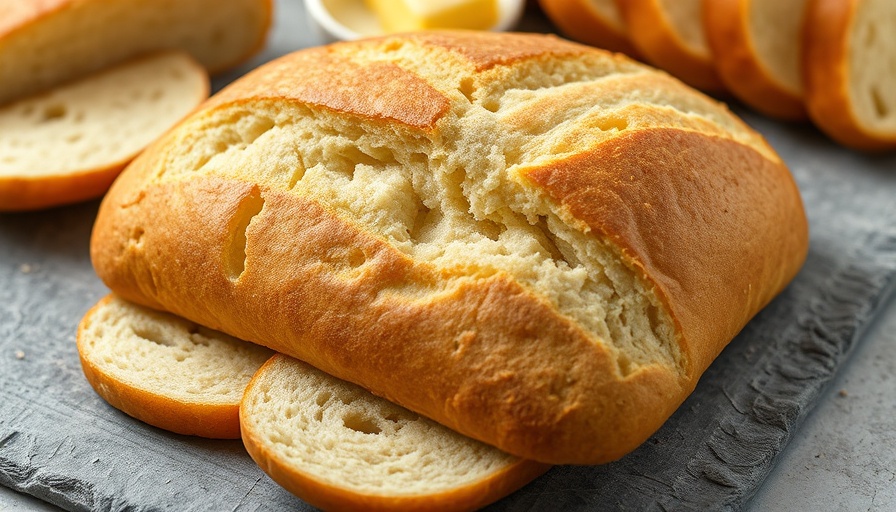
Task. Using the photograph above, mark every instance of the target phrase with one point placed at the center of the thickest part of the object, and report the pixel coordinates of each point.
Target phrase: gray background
(60, 442)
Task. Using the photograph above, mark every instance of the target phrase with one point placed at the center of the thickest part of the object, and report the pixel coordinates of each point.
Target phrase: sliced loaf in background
(756, 45)
(49, 42)
(339, 447)
(595, 22)
(850, 71)
(167, 371)
(68, 145)
(670, 35)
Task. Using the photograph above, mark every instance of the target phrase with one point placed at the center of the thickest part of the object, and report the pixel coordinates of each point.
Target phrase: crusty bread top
(551, 242)
(339, 447)
(44, 43)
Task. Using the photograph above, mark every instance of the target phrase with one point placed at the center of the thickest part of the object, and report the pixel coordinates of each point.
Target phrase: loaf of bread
(850, 71)
(338, 447)
(167, 371)
(757, 46)
(69, 144)
(538, 244)
(595, 22)
(669, 34)
(49, 42)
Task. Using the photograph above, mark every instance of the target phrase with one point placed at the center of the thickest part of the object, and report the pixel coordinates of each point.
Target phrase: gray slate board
(60, 442)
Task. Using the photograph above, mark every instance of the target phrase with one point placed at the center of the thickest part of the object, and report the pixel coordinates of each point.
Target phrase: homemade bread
(850, 71)
(670, 35)
(756, 45)
(595, 22)
(167, 371)
(48, 42)
(339, 447)
(68, 145)
(536, 243)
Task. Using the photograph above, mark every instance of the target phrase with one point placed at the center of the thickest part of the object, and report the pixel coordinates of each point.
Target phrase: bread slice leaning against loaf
(167, 371)
(850, 71)
(69, 144)
(49, 42)
(670, 35)
(757, 47)
(595, 22)
(538, 244)
(338, 447)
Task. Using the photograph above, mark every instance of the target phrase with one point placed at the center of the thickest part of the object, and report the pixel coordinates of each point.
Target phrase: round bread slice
(670, 35)
(338, 447)
(595, 22)
(756, 45)
(49, 42)
(850, 71)
(69, 144)
(166, 371)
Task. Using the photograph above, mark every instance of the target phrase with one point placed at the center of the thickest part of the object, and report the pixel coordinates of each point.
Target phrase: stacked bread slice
(85, 85)
(330, 442)
(833, 61)
(69, 144)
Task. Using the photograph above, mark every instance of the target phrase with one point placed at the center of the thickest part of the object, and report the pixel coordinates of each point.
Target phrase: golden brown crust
(581, 21)
(652, 32)
(482, 355)
(330, 497)
(729, 260)
(216, 421)
(827, 76)
(22, 193)
(727, 24)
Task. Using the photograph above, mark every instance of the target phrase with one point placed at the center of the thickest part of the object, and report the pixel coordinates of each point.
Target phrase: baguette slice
(69, 144)
(756, 45)
(48, 42)
(338, 447)
(536, 243)
(850, 70)
(166, 371)
(670, 35)
(595, 22)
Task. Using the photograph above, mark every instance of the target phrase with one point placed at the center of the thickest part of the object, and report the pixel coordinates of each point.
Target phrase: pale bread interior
(776, 29)
(101, 120)
(872, 65)
(685, 17)
(88, 36)
(341, 435)
(460, 201)
(165, 355)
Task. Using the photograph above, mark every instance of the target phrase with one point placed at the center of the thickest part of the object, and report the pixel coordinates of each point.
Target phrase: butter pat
(409, 15)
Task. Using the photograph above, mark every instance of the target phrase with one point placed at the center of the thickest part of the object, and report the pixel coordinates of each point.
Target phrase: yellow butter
(409, 15)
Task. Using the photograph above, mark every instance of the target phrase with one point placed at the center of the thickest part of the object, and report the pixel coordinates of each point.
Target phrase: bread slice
(339, 447)
(68, 145)
(536, 243)
(595, 22)
(166, 371)
(49, 42)
(850, 71)
(669, 34)
(757, 47)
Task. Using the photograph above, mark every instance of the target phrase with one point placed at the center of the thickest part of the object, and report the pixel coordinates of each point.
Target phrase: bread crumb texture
(165, 355)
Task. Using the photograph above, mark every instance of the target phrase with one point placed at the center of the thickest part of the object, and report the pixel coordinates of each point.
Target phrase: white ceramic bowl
(344, 20)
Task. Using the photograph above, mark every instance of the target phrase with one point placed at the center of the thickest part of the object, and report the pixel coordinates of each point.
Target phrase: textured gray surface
(60, 442)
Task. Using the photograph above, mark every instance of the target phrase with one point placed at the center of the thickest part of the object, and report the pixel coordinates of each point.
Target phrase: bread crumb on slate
(20, 354)
(26, 268)
(843, 393)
